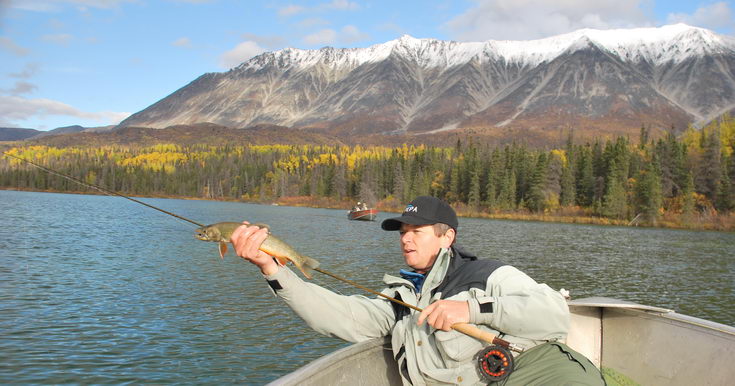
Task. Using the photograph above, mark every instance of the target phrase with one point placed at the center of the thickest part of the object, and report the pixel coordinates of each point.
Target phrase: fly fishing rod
(464, 328)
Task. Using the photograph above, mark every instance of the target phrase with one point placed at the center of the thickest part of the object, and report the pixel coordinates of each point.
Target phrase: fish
(282, 252)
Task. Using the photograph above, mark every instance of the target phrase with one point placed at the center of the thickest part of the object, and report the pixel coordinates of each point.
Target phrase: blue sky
(94, 62)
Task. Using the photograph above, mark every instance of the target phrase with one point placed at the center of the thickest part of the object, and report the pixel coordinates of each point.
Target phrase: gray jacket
(502, 299)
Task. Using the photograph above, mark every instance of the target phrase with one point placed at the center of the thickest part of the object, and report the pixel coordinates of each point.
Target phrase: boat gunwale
(310, 373)
(318, 366)
(664, 313)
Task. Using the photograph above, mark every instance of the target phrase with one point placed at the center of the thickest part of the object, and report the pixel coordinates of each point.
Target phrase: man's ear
(448, 238)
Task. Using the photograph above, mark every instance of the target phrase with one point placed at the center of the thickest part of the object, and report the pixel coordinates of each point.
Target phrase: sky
(95, 62)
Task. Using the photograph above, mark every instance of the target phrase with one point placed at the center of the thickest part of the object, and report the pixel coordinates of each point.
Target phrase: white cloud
(533, 19)
(313, 22)
(269, 41)
(339, 5)
(33, 5)
(713, 16)
(182, 42)
(290, 10)
(351, 34)
(343, 5)
(113, 117)
(324, 37)
(10, 46)
(22, 87)
(28, 71)
(14, 109)
(55, 5)
(61, 39)
(240, 53)
(56, 24)
(97, 3)
(327, 37)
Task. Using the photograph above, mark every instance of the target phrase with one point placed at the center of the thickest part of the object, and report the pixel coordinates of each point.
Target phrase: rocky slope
(605, 81)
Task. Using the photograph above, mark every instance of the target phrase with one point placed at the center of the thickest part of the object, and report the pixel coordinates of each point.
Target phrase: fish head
(208, 233)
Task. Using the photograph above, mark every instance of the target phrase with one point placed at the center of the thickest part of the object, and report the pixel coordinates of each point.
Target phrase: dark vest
(465, 271)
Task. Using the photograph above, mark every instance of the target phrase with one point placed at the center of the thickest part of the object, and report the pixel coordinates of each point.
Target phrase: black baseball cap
(423, 210)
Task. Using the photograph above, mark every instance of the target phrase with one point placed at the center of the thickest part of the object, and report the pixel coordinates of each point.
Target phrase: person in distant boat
(452, 286)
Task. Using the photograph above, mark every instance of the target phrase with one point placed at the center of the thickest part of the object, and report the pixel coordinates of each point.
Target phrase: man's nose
(405, 237)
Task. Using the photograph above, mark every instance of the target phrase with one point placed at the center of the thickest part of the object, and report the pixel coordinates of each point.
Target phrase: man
(452, 286)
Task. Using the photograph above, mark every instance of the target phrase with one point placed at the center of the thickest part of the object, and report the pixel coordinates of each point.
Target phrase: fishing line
(352, 283)
(101, 189)
(464, 328)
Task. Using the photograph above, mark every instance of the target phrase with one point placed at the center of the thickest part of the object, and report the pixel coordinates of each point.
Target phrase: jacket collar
(437, 272)
(433, 278)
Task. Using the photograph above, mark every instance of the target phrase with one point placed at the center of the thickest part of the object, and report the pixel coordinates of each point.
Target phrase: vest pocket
(456, 346)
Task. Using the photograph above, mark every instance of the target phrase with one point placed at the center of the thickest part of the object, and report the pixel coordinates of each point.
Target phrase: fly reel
(494, 363)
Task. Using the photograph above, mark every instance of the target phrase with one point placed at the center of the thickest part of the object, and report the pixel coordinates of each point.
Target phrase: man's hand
(247, 240)
(442, 314)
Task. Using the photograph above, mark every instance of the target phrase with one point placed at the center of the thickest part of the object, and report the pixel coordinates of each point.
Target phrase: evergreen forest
(685, 181)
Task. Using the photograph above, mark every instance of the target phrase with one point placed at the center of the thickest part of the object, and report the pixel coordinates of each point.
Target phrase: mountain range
(21, 134)
(601, 81)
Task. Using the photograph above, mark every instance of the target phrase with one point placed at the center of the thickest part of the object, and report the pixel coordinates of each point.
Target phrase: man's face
(420, 245)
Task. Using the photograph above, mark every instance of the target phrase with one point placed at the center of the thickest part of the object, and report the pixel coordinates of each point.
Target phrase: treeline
(687, 176)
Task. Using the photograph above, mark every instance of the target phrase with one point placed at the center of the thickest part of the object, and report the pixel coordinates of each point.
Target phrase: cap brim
(394, 224)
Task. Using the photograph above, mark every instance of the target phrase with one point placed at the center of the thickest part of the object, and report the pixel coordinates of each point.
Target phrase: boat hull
(646, 345)
(651, 345)
(363, 215)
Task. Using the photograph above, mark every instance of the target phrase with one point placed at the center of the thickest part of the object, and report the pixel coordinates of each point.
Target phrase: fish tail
(307, 267)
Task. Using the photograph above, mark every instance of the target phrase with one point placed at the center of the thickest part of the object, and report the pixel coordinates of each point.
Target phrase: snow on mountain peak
(668, 43)
(658, 45)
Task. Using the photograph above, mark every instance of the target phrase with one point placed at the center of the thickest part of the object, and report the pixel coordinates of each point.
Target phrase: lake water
(98, 289)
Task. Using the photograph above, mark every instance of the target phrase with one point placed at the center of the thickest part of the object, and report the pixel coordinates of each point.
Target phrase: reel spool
(494, 363)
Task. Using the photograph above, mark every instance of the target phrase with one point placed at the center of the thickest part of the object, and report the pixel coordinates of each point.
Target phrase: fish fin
(281, 260)
(222, 249)
(261, 225)
(307, 268)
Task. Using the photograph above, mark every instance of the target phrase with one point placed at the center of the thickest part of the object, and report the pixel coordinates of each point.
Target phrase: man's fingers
(246, 241)
(443, 314)
(425, 313)
(440, 319)
(255, 241)
(432, 314)
(242, 232)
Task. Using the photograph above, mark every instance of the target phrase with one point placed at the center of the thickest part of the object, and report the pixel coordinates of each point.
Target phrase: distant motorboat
(362, 214)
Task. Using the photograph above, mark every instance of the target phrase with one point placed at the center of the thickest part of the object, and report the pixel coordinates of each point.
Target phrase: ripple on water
(89, 296)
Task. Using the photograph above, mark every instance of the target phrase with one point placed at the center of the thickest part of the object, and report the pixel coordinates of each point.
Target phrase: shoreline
(721, 223)
(717, 223)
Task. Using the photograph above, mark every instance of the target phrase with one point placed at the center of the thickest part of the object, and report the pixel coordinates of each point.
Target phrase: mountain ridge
(635, 44)
(670, 76)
